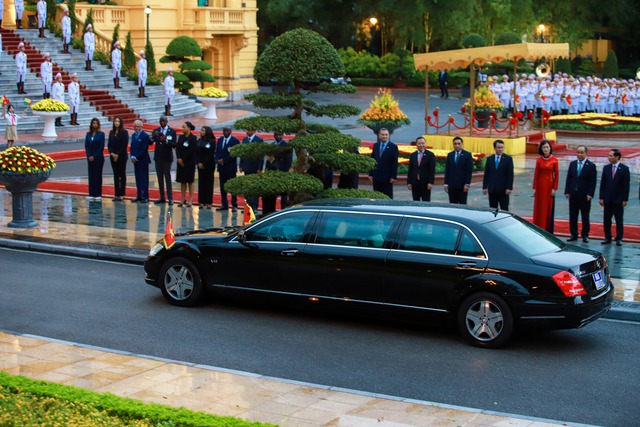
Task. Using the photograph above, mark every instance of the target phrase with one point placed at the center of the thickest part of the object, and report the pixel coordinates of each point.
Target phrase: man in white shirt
(21, 68)
(46, 74)
(41, 9)
(89, 46)
(66, 31)
(169, 91)
(116, 64)
(142, 75)
(19, 11)
(57, 92)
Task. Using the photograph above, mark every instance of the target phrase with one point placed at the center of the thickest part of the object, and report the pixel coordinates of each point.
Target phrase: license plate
(598, 280)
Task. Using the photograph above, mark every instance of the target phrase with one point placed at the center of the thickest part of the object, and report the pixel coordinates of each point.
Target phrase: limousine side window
(469, 246)
(430, 236)
(288, 227)
(346, 229)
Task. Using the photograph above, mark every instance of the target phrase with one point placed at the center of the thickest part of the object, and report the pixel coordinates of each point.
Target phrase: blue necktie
(579, 168)
(497, 161)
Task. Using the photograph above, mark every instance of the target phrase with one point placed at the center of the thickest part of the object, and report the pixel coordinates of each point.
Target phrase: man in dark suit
(443, 81)
(614, 195)
(422, 171)
(457, 173)
(498, 177)
(385, 154)
(579, 189)
(227, 166)
(284, 163)
(165, 139)
(139, 154)
(251, 166)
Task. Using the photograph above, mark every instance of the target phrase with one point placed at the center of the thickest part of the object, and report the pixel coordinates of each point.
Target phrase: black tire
(180, 282)
(485, 320)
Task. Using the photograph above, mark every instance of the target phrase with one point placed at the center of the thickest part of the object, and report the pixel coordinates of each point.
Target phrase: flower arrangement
(485, 101)
(50, 105)
(384, 111)
(595, 122)
(25, 160)
(212, 92)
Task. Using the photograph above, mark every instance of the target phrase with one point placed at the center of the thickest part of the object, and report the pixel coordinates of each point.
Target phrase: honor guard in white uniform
(57, 93)
(19, 11)
(505, 95)
(116, 64)
(66, 31)
(46, 74)
(142, 75)
(21, 68)
(169, 91)
(41, 9)
(89, 46)
(74, 98)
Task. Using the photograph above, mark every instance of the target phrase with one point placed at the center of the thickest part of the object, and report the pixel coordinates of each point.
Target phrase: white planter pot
(49, 118)
(211, 103)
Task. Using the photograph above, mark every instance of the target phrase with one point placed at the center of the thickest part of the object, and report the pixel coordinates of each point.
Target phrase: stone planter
(211, 104)
(21, 186)
(49, 118)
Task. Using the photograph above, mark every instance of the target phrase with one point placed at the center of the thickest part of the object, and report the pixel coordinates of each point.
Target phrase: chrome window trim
(272, 216)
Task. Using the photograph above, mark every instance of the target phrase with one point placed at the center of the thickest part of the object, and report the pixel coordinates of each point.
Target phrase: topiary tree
(129, 54)
(51, 12)
(115, 36)
(473, 40)
(71, 4)
(507, 38)
(610, 68)
(563, 65)
(151, 59)
(87, 21)
(299, 59)
(179, 50)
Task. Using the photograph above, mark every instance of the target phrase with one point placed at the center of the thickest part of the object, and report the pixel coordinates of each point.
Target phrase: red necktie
(613, 171)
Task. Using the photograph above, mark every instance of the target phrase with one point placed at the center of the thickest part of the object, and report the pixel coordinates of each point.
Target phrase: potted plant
(49, 110)
(210, 97)
(384, 112)
(485, 102)
(21, 170)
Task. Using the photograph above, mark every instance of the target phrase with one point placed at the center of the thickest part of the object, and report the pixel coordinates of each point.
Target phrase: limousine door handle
(467, 264)
(289, 252)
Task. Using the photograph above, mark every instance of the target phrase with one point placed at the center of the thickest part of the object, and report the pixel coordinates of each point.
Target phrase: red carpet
(561, 227)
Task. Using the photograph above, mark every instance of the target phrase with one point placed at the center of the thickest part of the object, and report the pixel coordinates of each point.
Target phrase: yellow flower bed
(50, 105)
(25, 160)
(212, 92)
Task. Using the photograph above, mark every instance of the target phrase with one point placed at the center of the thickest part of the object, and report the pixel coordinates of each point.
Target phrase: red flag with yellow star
(249, 216)
(169, 235)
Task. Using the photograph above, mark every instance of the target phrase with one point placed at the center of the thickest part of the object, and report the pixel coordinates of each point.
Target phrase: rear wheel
(485, 320)
(180, 282)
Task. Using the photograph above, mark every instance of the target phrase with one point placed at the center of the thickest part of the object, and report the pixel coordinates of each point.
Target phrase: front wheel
(485, 320)
(180, 282)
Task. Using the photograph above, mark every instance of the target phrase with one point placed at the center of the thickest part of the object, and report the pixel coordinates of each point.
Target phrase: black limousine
(487, 270)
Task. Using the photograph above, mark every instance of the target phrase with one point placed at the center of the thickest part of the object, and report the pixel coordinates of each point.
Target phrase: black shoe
(618, 242)
(572, 239)
(144, 200)
(585, 239)
(115, 199)
(606, 242)
(223, 208)
(136, 200)
(234, 209)
(157, 202)
(170, 202)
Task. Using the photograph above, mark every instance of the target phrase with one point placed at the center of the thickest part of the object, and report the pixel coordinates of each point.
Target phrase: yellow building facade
(226, 30)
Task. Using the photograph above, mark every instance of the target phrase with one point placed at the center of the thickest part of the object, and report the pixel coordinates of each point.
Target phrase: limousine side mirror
(242, 238)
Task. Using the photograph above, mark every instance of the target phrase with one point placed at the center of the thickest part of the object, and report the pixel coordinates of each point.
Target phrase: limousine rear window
(528, 238)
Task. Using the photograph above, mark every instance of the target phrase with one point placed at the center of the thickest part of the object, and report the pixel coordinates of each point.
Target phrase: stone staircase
(99, 98)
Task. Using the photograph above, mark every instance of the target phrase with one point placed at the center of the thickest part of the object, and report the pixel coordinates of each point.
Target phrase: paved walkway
(126, 231)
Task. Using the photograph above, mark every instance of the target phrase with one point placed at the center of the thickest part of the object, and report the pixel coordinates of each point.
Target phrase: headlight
(157, 248)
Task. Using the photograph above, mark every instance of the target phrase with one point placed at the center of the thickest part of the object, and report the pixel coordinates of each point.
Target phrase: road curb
(620, 310)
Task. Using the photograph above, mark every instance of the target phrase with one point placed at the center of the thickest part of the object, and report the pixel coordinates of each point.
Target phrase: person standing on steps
(21, 68)
(66, 31)
(74, 98)
(169, 91)
(89, 46)
(41, 9)
(142, 75)
(116, 64)
(19, 11)
(58, 94)
(46, 74)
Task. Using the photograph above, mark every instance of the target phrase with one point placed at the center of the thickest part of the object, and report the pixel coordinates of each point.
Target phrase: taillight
(569, 284)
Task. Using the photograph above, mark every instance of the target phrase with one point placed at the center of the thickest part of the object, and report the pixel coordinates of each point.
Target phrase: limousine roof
(439, 210)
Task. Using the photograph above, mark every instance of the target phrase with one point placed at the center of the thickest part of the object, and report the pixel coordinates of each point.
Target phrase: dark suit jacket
(140, 147)
(386, 162)
(457, 175)
(583, 185)
(286, 159)
(229, 164)
(615, 190)
(164, 144)
(250, 165)
(118, 143)
(500, 180)
(443, 77)
(426, 170)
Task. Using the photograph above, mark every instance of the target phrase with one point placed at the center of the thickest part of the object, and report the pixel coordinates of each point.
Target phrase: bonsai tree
(507, 38)
(299, 59)
(191, 70)
(473, 40)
